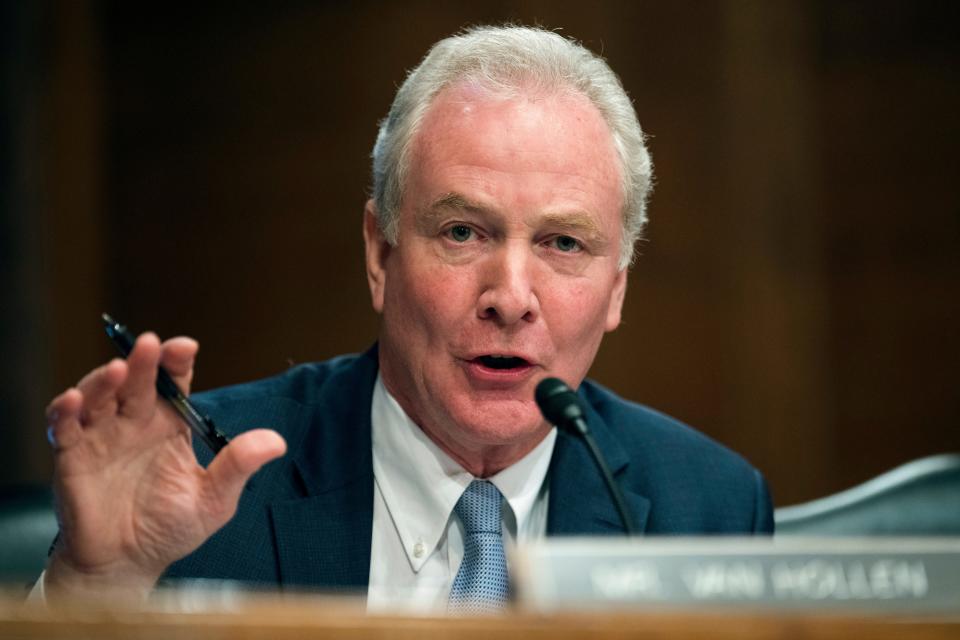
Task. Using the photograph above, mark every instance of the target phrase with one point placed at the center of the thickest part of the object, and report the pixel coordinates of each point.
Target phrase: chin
(500, 423)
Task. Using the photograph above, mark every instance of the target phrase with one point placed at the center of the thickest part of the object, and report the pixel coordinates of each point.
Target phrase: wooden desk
(314, 617)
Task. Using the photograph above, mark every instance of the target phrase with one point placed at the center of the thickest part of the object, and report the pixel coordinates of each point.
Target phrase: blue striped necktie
(481, 583)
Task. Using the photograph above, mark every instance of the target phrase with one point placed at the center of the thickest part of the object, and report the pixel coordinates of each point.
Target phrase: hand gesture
(131, 497)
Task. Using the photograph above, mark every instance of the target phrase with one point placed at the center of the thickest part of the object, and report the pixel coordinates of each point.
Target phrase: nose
(508, 294)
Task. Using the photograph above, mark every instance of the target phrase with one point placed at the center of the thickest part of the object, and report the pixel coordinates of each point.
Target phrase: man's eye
(566, 244)
(460, 233)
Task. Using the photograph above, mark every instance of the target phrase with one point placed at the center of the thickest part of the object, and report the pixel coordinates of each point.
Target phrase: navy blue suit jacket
(306, 520)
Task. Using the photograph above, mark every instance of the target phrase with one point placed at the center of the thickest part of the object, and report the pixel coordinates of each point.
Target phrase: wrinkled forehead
(519, 125)
(473, 90)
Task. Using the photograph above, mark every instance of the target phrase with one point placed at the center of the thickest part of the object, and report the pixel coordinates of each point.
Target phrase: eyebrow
(576, 222)
(434, 212)
(455, 201)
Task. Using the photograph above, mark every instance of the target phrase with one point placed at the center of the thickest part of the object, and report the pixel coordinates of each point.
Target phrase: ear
(616, 300)
(377, 249)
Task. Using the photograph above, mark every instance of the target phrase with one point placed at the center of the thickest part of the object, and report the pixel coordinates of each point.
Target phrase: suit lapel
(580, 503)
(323, 538)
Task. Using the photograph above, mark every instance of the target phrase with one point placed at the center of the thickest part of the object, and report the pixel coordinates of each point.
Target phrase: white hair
(512, 59)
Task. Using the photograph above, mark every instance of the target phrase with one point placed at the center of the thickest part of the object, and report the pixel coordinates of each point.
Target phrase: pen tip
(107, 320)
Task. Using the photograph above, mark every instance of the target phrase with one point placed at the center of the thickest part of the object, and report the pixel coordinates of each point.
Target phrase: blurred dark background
(200, 168)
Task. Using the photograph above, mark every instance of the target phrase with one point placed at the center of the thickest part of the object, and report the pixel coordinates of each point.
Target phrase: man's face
(505, 271)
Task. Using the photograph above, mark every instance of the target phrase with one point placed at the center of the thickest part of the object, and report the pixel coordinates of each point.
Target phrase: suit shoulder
(696, 484)
(279, 401)
(303, 383)
(646, 431)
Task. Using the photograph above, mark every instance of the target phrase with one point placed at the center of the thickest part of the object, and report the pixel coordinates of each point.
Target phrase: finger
(99, 390)
(63, 419)
(234, 465)
(138, 394)
(177, 356)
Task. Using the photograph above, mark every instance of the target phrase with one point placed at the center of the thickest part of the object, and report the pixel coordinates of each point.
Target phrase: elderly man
(510, 180)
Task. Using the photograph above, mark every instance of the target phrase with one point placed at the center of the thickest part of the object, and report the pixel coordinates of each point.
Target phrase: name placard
(883, 574)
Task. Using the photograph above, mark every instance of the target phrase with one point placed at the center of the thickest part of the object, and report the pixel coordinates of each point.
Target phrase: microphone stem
(612, 485)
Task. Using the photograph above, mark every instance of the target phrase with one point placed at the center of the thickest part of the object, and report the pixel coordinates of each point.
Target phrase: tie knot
(479, 508)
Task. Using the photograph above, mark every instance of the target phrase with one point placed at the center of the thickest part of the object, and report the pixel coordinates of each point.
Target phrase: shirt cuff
(38, 593)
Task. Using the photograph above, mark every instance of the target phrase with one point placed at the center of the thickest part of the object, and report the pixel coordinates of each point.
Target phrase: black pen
(200, 424)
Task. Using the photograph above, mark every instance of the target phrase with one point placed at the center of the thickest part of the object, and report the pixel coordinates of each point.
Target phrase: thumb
(234, 465)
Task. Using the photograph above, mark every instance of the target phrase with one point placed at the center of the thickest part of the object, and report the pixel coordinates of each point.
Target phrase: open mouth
(501, 362)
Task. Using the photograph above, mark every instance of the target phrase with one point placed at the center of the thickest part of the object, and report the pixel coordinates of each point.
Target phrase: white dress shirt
(417, 541)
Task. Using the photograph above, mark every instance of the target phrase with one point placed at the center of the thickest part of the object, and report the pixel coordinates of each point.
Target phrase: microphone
(561, 407)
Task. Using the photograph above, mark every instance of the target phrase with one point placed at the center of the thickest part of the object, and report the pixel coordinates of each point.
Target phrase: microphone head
(558, 403)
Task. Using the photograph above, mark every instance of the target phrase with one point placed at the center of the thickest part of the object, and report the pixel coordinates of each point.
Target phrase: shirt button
(418, 550)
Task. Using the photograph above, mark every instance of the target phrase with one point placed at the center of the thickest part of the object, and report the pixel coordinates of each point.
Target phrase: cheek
(431, 301)
(579, 317)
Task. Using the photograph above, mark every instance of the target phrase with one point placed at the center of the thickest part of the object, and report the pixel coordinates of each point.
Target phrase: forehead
(548, 145)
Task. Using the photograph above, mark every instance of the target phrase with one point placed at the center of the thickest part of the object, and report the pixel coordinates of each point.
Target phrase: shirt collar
(421, 484)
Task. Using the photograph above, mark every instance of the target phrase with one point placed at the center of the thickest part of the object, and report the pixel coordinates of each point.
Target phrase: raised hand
(131, 497)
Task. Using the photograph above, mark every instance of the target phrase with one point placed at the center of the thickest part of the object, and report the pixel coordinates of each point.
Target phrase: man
(510, 181)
